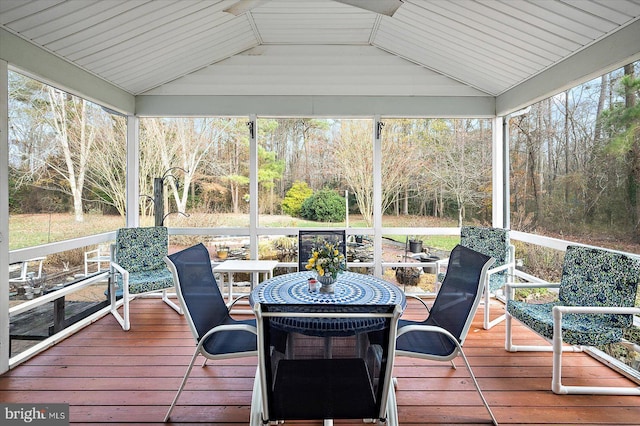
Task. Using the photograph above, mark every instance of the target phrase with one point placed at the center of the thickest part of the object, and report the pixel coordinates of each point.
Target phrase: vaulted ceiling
(462, 48)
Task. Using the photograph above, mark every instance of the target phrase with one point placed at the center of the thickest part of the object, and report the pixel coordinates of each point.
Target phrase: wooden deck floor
(111, 376)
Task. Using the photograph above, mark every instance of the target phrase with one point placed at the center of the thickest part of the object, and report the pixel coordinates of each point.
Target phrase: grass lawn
(28, 230)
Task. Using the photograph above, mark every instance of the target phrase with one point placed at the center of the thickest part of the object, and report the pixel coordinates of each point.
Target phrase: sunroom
(380, 70)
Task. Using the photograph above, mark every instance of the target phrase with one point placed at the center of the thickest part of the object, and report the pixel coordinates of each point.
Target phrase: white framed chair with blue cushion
(596, 304)
(138, 267)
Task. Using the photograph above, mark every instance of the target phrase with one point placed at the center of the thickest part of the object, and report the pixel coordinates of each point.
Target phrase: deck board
(111, 376)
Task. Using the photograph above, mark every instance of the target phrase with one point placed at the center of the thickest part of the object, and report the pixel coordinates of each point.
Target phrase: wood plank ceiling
(428, 47)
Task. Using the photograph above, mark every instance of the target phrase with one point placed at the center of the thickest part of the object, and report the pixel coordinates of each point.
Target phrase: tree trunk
(405, 204)
(597, 131)
(634, 159)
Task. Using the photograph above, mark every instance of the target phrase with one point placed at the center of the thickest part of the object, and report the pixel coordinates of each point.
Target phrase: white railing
(52, 248)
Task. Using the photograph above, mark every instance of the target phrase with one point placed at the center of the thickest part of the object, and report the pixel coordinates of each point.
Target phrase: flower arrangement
(326, 260)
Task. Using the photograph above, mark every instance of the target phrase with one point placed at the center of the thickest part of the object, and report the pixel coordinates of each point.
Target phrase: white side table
(255, 267)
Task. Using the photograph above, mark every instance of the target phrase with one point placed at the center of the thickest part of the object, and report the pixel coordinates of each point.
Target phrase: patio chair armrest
(420, 327)
(595, 310)
(88, 252)
(229, 327)
(442, 262)
(230, 304)
(419, 300)
(122, 271)
(511, 285)
(501, 268)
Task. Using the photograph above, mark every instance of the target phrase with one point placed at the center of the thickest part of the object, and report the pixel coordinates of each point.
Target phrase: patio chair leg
(256, 402)
(174, 306)
(488, 323)
(475, 382)
(556, 378)
(123, 319)
(392, 407)
(184, 381)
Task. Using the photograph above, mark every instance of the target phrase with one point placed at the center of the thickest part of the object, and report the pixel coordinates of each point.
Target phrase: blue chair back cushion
(141, 249)
(590, 277)
(452, 308)
(493, 242)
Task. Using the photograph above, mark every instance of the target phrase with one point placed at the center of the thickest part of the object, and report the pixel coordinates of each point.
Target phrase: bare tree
(108, 163)
(74, 136)
(194, 139)
(463, 173)
(404, 162)
(354, 156)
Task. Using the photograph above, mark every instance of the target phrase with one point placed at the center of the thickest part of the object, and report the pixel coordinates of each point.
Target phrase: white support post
(506, 173)
(253, 188)
(498, 182)
(4, 217)
(133, 172)
(377, 197)
(346, 207)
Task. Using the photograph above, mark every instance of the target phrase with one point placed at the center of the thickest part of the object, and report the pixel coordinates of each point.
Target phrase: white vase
(327, 283)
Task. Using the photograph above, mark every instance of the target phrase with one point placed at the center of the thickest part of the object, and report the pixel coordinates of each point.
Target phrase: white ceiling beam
(42, 65)
(320, 106)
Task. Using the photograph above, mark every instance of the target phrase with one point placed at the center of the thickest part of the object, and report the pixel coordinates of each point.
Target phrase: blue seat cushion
(228, 342)
(424, 342)
(146, 281)
(577, 329)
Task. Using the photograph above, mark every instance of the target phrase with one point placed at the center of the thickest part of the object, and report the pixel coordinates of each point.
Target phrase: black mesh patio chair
(310, 239)
(494, 242)
(440, 337)
(217, 335)
(305, 382)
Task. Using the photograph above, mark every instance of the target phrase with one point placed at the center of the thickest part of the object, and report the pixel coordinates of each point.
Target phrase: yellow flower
(326, 260)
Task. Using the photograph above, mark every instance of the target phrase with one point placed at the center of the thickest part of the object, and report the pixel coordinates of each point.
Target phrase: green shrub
(292, 203)
(324, 206)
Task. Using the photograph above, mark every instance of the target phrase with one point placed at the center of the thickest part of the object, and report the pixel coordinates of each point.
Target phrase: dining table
(350, 289)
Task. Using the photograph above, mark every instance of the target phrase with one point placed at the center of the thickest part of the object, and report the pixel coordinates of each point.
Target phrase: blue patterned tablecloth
(350, 289)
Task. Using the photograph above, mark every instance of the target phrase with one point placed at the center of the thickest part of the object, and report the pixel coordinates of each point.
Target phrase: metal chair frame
(202, 340)
(416, 327)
